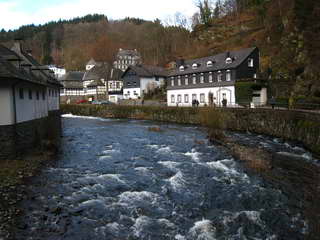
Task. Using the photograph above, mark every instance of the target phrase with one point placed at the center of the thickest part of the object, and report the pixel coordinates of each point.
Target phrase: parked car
(83, 101)
(102, 102)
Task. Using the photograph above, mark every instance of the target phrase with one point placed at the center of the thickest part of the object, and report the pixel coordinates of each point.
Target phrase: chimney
(17, 45)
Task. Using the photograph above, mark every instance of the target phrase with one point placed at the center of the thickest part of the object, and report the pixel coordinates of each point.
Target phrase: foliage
(244, 91)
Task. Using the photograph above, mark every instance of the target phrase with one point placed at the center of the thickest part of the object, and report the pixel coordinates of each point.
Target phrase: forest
(285, 31)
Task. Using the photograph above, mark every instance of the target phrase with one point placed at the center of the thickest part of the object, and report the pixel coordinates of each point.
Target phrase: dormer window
(172, 81)
(201, 78)
(228, 60)
(181, 68)
(219, 76)
(250, 62)
(194, 66)
(209, 64)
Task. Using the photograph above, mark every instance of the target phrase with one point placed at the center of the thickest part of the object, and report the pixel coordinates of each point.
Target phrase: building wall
(28, 135)
(6, 106)
(29, 109)
(129, 93)
(218, 94)
(115, 98)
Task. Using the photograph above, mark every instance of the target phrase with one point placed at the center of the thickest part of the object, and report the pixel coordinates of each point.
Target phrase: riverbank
(15, 175)
(297, 178)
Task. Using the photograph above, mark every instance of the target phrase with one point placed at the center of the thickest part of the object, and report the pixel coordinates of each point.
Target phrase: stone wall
(29, 135)
(293, 125)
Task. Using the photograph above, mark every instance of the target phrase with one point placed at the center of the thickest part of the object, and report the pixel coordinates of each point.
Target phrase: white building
(211, 80)
(28, 94)
(140, 79)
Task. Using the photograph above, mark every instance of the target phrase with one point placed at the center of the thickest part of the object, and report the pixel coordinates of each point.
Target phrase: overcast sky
(14, 13)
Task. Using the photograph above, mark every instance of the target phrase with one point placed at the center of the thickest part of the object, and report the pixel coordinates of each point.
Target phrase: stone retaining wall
(29, 135)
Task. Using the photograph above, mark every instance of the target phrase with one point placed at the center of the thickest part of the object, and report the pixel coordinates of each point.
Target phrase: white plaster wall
(217, 95)
(262, 100)
(30, 109)
(129, 93)
(6, 106)
(115, 98)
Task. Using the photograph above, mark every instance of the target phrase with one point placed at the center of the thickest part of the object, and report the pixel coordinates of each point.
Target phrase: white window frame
(194, 96)
(228, 75)
(194, 79)
(202, 78)
(179, 98)
(179, 81)
(219, 76)
(186, 80)
(172, 81)
(210, 77)
(250, 62)
(202, 98)
(172, 98)
(186, 98)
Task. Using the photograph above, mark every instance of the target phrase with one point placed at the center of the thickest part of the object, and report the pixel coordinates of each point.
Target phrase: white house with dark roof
(140, 79)
(115, 85)
(29, 98)
(211, 79)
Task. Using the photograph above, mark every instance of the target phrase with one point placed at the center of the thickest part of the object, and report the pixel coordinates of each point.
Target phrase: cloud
(146, 9)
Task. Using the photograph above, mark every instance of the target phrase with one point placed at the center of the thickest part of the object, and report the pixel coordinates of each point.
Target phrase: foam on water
(203, 230)
(86, 117)
(195, 156)
(164, 150)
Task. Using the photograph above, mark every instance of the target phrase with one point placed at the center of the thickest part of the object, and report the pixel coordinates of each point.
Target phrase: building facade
(29, 102)
(58, 71)
(72, 90)
(140, 79)
(126, 58)
(211, 80)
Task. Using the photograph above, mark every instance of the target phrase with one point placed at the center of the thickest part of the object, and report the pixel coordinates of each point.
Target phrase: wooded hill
(286, 32)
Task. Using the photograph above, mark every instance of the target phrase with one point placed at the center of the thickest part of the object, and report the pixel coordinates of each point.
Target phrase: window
(209, 64)
(30, 94)
(186, 98)
(186, 80)
(210, 77)
(255, 75)
(135, 92)
(43, 95)
(250, 62)
(37, 95)
(201, 78)
(228, 75)
(172, 98)
(228, 60)
(181, 68)
(194, 79)
(179, 81)
(194, 96)
(194, 66)
(179, 98)
(172, 81)
(118, 84)
(219, 76)
(21, 93)
(128, 93)
(202, 98)
(110, 85)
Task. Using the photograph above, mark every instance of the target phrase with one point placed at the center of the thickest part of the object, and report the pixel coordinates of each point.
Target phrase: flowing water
(118, 180)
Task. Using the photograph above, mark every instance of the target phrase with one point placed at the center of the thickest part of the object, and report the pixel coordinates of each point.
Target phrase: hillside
(287, 34)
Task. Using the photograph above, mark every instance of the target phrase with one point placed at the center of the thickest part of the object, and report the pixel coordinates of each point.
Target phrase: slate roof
(96, 83)
(6, 53)
(97, 73)
(72, 76)
(147, 71)
(115, 74)
(219, 62)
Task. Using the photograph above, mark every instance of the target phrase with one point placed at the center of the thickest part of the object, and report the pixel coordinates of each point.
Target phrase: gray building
(126, 58)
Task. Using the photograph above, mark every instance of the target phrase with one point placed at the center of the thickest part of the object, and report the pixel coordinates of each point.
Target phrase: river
(121, 179)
